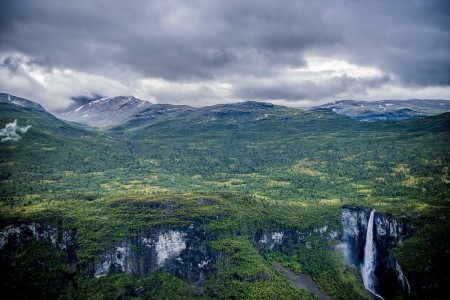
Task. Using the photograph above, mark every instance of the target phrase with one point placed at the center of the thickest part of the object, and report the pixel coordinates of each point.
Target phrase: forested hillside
(234, 191)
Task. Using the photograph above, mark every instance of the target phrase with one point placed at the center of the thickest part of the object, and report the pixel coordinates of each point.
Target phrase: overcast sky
(202, 52)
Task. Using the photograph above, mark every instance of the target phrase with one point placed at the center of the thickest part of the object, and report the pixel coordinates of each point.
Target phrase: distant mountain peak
(388, 110)
(117, 98)
(106, 111)
(7, 98)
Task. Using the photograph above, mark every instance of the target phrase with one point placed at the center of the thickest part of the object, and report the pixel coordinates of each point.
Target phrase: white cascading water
(370, 254)
(402, 279)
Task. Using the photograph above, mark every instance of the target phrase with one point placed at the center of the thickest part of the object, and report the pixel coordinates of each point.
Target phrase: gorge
(371, 237)
(186, 253)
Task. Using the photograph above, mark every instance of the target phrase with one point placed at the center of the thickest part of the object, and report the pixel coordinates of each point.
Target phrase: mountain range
(107, 112)
(388, 110)
(122, 198)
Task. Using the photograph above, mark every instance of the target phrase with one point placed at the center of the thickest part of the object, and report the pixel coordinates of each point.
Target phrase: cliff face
(388, 231)
(183, 252)
(13, 236)
(286, 240)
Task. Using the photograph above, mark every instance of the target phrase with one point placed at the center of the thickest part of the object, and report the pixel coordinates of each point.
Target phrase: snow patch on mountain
(375, 111)
(105, 112)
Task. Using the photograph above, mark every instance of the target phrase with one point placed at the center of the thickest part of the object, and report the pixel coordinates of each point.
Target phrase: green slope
(53, 158)
(261, 164)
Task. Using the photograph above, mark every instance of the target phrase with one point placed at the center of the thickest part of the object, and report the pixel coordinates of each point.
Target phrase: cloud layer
(206, 51)
(11, 132)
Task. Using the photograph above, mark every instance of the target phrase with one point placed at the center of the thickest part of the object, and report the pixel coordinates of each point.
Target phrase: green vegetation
(329, 270)
(289, 169)
(41, 270)
(245, 275)
(288, 261)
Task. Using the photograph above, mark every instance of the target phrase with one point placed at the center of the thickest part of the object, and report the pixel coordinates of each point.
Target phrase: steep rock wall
(388, 231)
(183, 252)
(286, 240)
(14, 235)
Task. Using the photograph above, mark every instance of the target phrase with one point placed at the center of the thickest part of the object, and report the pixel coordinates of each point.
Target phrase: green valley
(231, 189)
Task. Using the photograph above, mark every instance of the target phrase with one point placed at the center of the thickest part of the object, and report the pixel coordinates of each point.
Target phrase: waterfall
(370, 254)
(402, 279)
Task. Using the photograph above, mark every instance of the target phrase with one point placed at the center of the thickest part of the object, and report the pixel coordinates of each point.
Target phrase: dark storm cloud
(175, 41)
(190, 41)
(410, 39)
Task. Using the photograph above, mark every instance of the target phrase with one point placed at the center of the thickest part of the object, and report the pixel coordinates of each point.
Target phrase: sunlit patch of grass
(330, 201)
(30, 196)
(293, 203)
(154, 178)
(277, 183)
(252, 177)
(47, 181)
(422, 206)
(111, 185)
(260, 197)
(401, 168)
(380, 179)
(427, 161)
(48, 148)
(412, 181)
(365, 191)
(359, 185)
(96, 173)
(306, 167)
(230, 182)
(134, 186)
(309, 172)
(153, 189)
(370, 165)
(349, 158)
(24, 211)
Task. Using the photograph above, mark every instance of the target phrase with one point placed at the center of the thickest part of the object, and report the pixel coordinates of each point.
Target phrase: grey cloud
(309, 90)
(204, 40)
(11, 63)
(14, 64)
(410, 39)
(78, 101)
(11, 132)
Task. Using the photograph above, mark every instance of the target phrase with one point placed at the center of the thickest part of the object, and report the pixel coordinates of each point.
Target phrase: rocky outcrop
(388, 231)
(14, 235)
(183, 252)
(287, 240)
